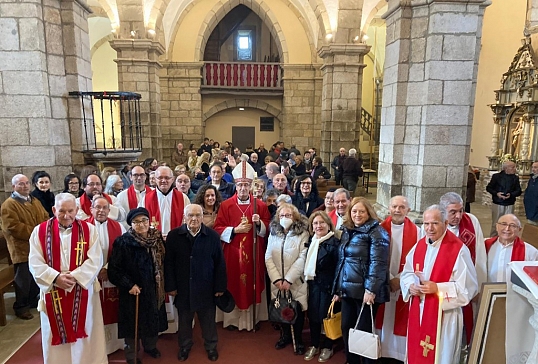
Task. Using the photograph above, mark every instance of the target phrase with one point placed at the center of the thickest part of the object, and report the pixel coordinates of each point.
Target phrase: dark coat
(321, 171)
(506, 183)
(471, 188)
(195, 270)
(352, 168)
(531, 199)
(131, 264)
(46, 199)
(363, 262)
(337, 164)
(299, 169)
(226, 189)
(319, 289)
(314, 201)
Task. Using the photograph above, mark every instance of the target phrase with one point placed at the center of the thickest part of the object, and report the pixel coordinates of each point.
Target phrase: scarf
(131, 196)
(154, 244)
(312, 256)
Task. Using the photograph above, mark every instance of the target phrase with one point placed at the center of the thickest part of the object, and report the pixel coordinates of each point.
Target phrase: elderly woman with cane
(136, 268)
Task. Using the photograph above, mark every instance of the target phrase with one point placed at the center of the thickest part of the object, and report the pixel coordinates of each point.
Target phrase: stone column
(181, 105)
(341, 98)
(301, 106)
(428, 93)
(44, 53)
(138, 67)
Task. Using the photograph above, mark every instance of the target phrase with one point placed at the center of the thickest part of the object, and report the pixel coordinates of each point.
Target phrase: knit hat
(135, 212)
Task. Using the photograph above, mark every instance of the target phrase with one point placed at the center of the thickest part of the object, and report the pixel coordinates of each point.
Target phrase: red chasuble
(152, 205)
(131, 196)
(109, 296)
(422, 336)
(86, 203)
(402, 308)
(518, 251)
(66, 311)
(238, 253)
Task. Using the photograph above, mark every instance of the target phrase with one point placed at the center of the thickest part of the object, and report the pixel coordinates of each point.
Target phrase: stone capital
(344, 49)
(120, 45)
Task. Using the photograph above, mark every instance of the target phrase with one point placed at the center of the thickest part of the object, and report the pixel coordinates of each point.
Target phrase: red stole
(518, 251)
(402, 308)
(86, 203)
(468, 236)
(422, 336)
(333, 216)
(131, 196)
(110, 295)
(152, 205)
(66, 311)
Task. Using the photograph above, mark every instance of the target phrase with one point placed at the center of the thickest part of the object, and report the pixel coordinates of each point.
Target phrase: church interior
(424, 89)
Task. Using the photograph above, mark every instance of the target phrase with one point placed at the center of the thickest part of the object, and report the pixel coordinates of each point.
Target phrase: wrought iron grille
(110, 121)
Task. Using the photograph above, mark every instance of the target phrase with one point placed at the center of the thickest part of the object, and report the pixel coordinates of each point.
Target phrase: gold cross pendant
(154, 222)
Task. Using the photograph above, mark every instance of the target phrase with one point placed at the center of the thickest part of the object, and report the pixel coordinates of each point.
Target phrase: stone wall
(44, 53)
(181, 106)
(301, 122)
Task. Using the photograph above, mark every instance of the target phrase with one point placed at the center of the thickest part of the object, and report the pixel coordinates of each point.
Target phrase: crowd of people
(142, 250)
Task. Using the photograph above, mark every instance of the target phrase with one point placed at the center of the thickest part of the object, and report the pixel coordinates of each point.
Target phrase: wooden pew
(6, 279)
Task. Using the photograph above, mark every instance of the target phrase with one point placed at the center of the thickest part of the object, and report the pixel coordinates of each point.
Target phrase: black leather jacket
(505, 183)
(363, 262)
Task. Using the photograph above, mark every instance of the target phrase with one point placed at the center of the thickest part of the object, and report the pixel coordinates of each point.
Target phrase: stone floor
(17, 331)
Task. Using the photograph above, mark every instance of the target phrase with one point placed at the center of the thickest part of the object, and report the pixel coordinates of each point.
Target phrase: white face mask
(286, 222)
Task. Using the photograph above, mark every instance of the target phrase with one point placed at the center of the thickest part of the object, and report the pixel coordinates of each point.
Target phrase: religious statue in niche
(516, 136)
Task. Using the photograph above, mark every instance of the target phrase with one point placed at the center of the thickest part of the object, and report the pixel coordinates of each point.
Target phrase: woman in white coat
(285, 260)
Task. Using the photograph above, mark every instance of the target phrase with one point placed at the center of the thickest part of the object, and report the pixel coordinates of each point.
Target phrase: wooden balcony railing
(239, 75)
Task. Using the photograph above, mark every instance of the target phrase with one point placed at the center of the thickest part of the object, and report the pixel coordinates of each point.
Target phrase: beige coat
(294, 248)
(18, 221)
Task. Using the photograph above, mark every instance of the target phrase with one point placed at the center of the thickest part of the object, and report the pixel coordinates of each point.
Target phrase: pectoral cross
(56, 301)
(154, 222)
(80, 252)
(426, 345)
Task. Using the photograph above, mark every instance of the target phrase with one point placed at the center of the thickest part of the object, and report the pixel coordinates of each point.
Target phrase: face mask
(286, 222)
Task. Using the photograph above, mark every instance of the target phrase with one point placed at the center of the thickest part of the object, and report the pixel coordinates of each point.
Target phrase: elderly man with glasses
(93, 186)
(134, 196)
(507, 247)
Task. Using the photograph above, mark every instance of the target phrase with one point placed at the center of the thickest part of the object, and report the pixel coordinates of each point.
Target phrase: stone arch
(105, 11)
(235, 103)
(257, 6)
(380, 4)
(318, 6)
(100, 42)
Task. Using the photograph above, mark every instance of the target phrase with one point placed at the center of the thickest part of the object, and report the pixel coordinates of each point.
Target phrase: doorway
(243, 136)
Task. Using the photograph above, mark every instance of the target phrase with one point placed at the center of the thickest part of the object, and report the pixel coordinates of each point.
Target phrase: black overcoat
(319, 289)
(131, 264)
(196, 271)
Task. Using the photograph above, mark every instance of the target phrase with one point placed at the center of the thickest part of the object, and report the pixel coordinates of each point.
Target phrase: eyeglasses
(21, 184)
(138, 175)
(94, 184)
(509, 226)
(140, 222)
(288, 216)
(164, 178)
(73, 183)
(306, 183)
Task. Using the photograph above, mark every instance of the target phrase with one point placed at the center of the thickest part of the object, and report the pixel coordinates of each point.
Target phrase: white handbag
(364, 343)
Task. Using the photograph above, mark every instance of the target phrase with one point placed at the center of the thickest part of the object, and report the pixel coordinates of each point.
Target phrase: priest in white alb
(467, 228)
(134, 196)
(439, 278)
(65, 258)
(165, 205)
(108, 230)
(507, 247)
(392, 316)
(93, 186)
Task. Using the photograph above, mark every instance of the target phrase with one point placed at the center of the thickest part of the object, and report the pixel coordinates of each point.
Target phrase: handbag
(283, 308)
(364, 343)
(333, 324)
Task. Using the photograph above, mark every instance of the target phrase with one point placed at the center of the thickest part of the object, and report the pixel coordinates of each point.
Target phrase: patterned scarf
(154, 243)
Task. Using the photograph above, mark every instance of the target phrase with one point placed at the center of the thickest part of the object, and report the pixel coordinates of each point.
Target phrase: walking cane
(136, 332)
